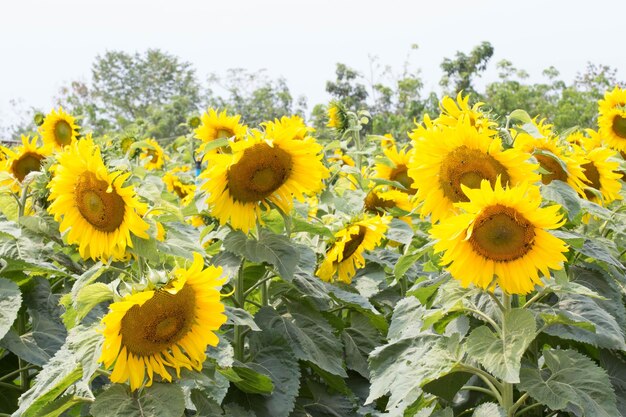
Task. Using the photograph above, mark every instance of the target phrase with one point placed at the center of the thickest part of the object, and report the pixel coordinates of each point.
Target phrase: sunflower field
(473, 268)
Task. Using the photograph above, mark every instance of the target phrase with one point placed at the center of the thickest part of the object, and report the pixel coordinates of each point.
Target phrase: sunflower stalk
(507, 388)
(240, 299)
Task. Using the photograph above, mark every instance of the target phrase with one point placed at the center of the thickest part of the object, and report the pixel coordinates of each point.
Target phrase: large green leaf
(159, 400)
(25, 347)
(615, 365)
(312, 338)
(240, 317)
(501, 354)
(248, 380)
(74, 363)
(43, 306)
(208, 382)
(570, 382)
(563, 194)
(359, 339)
(276, 250)
(402, 367)
(489, 410)
(10, 303)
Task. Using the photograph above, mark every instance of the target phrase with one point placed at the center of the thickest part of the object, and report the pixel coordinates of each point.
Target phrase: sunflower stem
(240, 297)
(507, 388)
(21, 363)
(22, 202)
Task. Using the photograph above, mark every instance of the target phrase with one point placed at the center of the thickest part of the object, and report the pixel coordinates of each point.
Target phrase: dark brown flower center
(468, 167)
(159, 323)
(102, 208)
(555, 171)
(619, 126)
(377, 205)
(401, 175)
(224, 133)
(25, 164)
(63, 133)
(502, 234)
(353, 243)
(593, 177)
(261, 170)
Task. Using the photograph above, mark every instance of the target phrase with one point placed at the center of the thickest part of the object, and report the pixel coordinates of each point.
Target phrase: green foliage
(10, 303)
(460, 71)
(159, 400)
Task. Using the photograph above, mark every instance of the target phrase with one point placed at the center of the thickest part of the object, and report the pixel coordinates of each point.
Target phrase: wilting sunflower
(92, 203)
(602, 174)
(153, 155)
(453, 111)
(175, 183)
(219, 126)
(397, 168)
(59, 129)
(292, 126)
(346, 253)
(556, 161)
(501, 238)
(259, 171)
(448, 158)
(21, 161)
(169, 327)
(379, 200)
(337, 116)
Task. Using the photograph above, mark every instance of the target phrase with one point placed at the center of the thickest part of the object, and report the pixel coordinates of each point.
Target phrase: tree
(346, 88)
(461, 71)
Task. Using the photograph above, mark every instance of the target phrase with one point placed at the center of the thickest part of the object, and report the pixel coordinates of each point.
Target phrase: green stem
(536, 297)
(139, 268)
(530, 407)
(264, 295)
(22, 202)
(519, 402)
(259, 283)
(479, 389)
(486, 317)
(494, 385)
(507, 388)
(22, 365)
(359, 148)
(11, 386)
(17, 371)
(240, 297)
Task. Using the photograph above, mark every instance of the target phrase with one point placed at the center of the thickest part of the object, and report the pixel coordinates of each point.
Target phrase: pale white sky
(45, 44)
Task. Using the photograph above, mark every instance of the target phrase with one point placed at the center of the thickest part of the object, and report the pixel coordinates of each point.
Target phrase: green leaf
(240, 317)
(359, 340)
(400, 232)
(205, 407)
(570, 382)
(25, 347)
(448, 385)
(563, 194)
(600, 251)
(248, 380)
(313, 227)
(10, 303)
(311, 336)
(273, 356)
(276, 250)
(159, 400)
(501, 355)
(146, 248)
(615, 366)
(407, 319)
(90, 296)
(402, 367)
(520, 115)
(208, 382)
(489, 410)
(581, 309)
(76, 360)
(43, 306)
(10, 229)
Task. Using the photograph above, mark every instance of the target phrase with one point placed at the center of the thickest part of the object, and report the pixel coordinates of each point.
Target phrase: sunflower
(602, 174)
(175, 183)
(261, 170)
(153, 154)
(448, 158)
(59, 129)
(90, 201)
(378, 200)
(339, 156)
(612, 128)
(21, 161)
(501, 238)
(588, 140)
(346, 253)
(453, 111)
(557, 163)
(397, 169)
(337, 116)
(293, 125)
(219, 126)
(169, 327)
(611, 100)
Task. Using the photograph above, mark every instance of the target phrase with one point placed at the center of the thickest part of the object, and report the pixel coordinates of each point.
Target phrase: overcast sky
(45, 44)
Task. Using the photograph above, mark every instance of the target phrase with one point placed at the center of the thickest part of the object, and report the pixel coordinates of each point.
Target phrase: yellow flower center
(468, 167)
(619, 126)
(25, 164)
(63, 133)
(353, 243)
(159, 323)
(224, 133)
(593, 175)
(261, 170)
(400, 175)
(502, 234)
(555, 170)
(102, 208)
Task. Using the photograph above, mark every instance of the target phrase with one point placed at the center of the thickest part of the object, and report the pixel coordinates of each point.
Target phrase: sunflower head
(454, 111)
(346, 253)
(612, 128)
(126, 142)
(448, 158)
(153, 155)
(216, 125)
(379, 201)
(92, 203)
(258, 172)
(601, 172)
(501, 238)
(341, 157)
(149, 332)
(22, 160)
(177, 181)
(59, 129)
(292, 127)
(337, 116)
(396, 167)
(612, 99)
